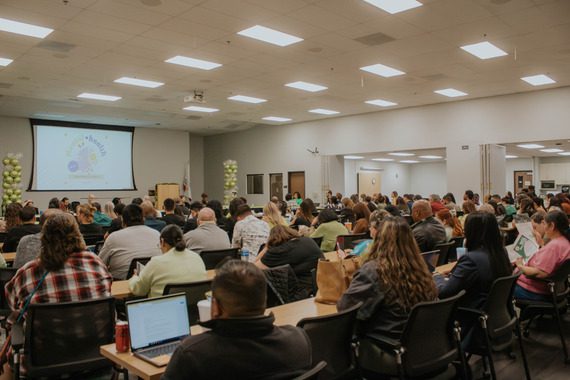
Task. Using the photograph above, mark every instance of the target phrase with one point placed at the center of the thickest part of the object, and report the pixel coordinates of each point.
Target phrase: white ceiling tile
(137, 13)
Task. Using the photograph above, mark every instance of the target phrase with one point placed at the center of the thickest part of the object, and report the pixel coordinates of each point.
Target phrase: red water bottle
(122, 342)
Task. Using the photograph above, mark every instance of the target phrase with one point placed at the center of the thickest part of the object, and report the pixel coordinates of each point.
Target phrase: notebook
(157, 326)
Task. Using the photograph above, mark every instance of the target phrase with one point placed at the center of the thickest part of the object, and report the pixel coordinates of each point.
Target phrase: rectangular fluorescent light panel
(201, 109)
(450, 92)
(323, 111)
(552, 150)
(431, 157)
(383, 159)
(107, 98)
(381, 103)
(394, 6)
(401, 154)
(409, 162)
(138, 82)
(306, 86)
(511, 156)
(24, 29)
(382, 70)
(5, 61)
(538, 80)
(276, 118)
(246, 99)
(353, 157)
(530, 146)
(193, 62)
(564, 154)
(271, 36)
(484, 50)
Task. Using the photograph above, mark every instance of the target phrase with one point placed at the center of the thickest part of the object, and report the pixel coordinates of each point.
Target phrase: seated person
(389, 285)
(428, 232)
(134, 240)
(28, 227)
(375, 223)
(347, 212)
(12, 216)
(192, 221)
(176, 265)
(117, 223)
(150, 219)
(452, 225)
(170, 216)
(329, 228)
(539, 228)
(544, 262)
(29, 246)
(208, 236)
(231, 221)
(304, 214)
(99, 217)
(249, 232)
(85, 216)
(286, 246)
(240, 327)
(221, 220)
(362, 216)
(272, 215)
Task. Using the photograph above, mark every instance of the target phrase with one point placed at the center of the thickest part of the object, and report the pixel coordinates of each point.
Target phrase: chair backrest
(444, 249)
(92, 239)
(428, 338)
(499, 306)
(318, 240)
(313, 373)
(331, 341)
(3, 237)
(346, 241)
(133, 265)
(214, 257)
(560, 277)
(6, 275)
(457, 242)
(282, 286)
(431, 258)
(65, 337)
(194, 291)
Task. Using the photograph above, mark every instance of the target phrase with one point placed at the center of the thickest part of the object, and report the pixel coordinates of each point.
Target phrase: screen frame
(70, 124)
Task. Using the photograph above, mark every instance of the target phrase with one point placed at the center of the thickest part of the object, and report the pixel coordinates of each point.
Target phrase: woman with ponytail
(546, 260)
(175, 266)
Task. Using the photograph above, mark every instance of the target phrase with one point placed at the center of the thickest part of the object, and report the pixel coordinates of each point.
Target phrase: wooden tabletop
(9, 256)
(288, 314)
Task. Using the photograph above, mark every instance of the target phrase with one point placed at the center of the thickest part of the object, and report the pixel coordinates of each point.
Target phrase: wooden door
(276, 185)
(368, 183)
(297, 183)
(523, 179)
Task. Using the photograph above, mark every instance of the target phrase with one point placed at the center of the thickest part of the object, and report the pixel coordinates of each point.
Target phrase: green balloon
(6, 173)
(17, 179)
(14, 173)
(6, 161)
(15, 161)
(6, 197)
(13, 197)
(9, 191)
(8, 180)
(6, 185)
(18, 191)
(18, 168)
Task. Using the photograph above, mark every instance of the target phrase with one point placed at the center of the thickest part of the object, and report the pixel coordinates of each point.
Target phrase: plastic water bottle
(244, 254)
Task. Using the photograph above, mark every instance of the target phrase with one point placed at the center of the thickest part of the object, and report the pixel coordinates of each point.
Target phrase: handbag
(334, 277)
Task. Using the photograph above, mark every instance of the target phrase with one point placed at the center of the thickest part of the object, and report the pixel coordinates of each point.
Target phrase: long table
(288, 314)
(9, 257)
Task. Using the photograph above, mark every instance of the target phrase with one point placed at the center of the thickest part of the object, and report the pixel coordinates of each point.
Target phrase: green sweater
(329, 231)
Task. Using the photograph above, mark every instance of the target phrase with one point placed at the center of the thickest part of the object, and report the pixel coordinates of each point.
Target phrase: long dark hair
(173, 236)
(560, 221)
(482, 232)
(60, 238)
(218, 210)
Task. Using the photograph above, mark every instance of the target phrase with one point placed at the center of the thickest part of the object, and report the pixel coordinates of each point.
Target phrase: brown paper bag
(332, 281)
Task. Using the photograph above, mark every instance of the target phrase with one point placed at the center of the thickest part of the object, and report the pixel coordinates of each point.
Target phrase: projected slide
(68, 158)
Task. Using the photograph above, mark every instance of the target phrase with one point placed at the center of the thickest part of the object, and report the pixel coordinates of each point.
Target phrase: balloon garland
(11, 179)
(230, 181)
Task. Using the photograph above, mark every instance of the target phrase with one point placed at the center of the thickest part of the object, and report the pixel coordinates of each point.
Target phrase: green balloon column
(230, 181)
(11, 179)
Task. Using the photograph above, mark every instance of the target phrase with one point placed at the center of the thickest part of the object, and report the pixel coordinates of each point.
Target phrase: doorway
(297, 183)
(368, 183)
(523, 179)
(276, 185)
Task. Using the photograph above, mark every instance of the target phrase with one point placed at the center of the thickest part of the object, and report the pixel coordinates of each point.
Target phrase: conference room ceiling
(419, 155)
(98, 41)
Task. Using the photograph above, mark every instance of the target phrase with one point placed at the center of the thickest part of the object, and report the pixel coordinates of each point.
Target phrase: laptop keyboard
(166, 349)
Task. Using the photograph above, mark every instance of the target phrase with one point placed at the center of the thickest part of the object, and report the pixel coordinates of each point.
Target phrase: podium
(166, 190)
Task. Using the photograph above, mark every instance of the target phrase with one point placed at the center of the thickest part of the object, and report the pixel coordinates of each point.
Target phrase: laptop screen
(157, 320)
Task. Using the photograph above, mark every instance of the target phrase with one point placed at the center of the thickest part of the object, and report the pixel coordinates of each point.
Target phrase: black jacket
(428, 233)
(242, 348)
(16, 233)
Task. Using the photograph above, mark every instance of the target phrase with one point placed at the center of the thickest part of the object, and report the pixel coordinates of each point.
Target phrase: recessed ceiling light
(201, 109)
(24, 29)
(530, 146)
(193, 62)
(139, 82)
(306, 86)
(381, 103)
(276, 118)
(401, 154)
(247, 99)
(383, 159)
(269, 35)
(511, 156)
(552, 150)
(5, 61)
(429, 157)
(394, 6)
(450, 92)
(108, 98)
(538, 80)
(323, 111)
(382, 70)
(564, 154)
(484, 50)
(353, 157)
(409, 162)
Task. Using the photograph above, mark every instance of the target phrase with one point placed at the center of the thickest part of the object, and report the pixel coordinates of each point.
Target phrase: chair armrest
(387, 344)
(17, 336)
(468, 310)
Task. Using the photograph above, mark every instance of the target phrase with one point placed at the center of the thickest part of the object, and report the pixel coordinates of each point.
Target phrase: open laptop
(157, 326)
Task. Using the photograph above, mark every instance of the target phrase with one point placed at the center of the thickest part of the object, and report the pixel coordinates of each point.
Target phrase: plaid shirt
(83, 277)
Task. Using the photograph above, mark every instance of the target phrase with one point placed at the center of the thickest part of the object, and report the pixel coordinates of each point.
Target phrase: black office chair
(3, 237)
(92, 239)
(347, 241)
(313, 373)
(194, 291)
(497, 320)
(429, 344)
(133, 265)
(444, 250)
(331, 341)
(457, 242)
(283, 286)
(6, 275)
(431, 258)
(318, 240)
(64, 338)
(557, 305)
(214, 257)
